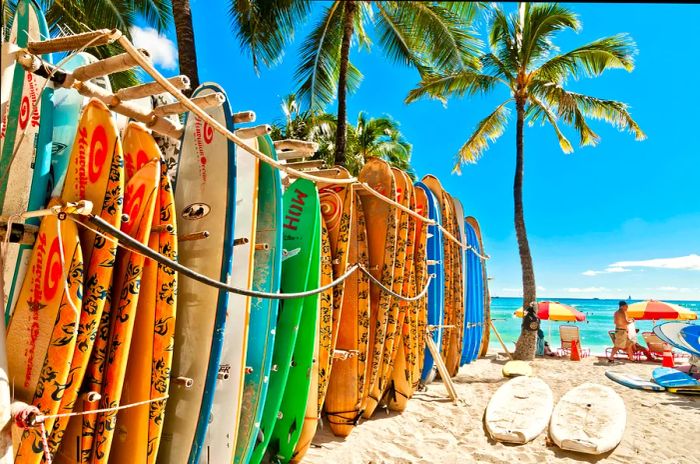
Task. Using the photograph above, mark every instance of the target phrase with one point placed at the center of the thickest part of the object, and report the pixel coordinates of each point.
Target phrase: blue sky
(619, 219)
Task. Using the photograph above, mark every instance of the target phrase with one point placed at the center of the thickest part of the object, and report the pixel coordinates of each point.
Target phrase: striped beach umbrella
(653, 310)
(555, 311)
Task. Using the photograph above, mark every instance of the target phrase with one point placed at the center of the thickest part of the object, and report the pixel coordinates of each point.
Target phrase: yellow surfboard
(139, 204)
(147, 377)
(382, 230)
(96, 173)
(347, 386)
(44, 326)
(420, 322)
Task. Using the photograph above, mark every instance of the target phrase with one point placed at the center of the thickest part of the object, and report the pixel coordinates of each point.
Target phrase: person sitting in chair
(543, 348)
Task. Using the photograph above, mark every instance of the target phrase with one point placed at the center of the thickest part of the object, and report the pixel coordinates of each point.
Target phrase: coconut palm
(184, 31)
(76, 16)
(418, 34)
(523, 58)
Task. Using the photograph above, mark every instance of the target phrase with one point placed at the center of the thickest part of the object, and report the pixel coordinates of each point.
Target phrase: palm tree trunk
(525, 347)
(349, 8)
(182, 15)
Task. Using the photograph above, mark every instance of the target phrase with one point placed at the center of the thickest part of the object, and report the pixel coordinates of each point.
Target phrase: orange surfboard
(96, 173)
(148, 369)
(44, 327)
(382, 230)
(421, 275)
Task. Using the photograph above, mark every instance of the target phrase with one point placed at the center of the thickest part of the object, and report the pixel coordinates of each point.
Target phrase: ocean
(594, 330)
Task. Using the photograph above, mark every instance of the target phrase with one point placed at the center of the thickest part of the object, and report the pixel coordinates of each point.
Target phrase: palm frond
(540, 109)
(488, 130)
(365, 16)
(541, 22)
(502, 38)
(158, 13)
(317, 73)
(265, 27)
(457, 84)
(592, 59)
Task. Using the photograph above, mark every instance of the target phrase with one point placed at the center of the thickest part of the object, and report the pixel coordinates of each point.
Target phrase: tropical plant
(369, 137)
(184, 31)
(523, 57)
(418, 34)
(76, 16)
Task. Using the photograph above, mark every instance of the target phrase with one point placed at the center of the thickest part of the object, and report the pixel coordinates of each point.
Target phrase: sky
(617, 220)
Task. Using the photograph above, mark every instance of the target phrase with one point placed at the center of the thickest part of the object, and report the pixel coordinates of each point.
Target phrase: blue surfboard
(475, 253)
(691, 335)
(436, 289)
(633, 381)
(673, 378)
(670, 332)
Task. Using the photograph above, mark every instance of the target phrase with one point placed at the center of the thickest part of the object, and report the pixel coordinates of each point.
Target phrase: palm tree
(184, 31)
(418, 34)
(522, 56)
(76, 16)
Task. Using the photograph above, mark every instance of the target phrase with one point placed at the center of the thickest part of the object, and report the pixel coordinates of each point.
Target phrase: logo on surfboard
(195, 211)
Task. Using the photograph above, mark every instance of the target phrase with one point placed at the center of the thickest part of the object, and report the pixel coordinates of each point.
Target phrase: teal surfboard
(25, 156)
(300, 218)
(263, 312)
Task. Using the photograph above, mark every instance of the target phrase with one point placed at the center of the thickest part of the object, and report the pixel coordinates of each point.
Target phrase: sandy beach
(661, 427)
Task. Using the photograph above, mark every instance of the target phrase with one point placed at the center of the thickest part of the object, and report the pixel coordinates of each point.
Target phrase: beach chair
(567, 334)
(656, 345)
(637, 355)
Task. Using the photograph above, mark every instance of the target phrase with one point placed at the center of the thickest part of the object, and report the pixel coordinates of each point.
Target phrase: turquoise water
(594, 330)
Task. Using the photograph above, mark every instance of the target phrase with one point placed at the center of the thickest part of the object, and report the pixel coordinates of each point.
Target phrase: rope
(479, 255)
(385, 289)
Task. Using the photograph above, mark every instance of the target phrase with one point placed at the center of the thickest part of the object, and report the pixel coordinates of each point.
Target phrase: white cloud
(586, 289)
(690, 262)
(608, 270)
(541, 288)
(163, 51)
(668, 289)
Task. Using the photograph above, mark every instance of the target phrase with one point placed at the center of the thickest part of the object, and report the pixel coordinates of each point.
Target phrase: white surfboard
(590, 418)
(220, 441)
(519, 410)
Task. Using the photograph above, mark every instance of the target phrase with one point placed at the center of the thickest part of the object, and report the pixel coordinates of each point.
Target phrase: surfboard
(95, 172)
(516, 368)
(453, 314)
(44, 327)
(691, 336)
(322, 355)
(519, 410)
(205, 198)
(348, 382)
(684, 391)
(267, 270)
(633, 381)
(220, 439)
(6, 451)
(301, 216)
(436, 289)
(382, 231)
(458, 320)
(669, 377)
(482, 326)
(420, 276)
(25, 146)
(670, 332)
(476, 294)
(590, 418)
(142, 191)
(399, 388)
(467, 333)
(169, 147)
(397, 308)
(147, 377)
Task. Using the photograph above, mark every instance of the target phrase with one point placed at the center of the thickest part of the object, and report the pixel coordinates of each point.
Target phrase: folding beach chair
(567, 334)
(637, 355)
(656, 345)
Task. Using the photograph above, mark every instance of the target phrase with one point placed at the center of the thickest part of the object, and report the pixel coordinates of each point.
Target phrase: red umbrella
(555, 311)
(652, 310)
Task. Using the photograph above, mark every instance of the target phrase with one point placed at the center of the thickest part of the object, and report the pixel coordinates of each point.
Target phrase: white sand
(661, 427)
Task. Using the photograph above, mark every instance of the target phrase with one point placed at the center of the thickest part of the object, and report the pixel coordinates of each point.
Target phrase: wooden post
(442, 369)
(500, 339)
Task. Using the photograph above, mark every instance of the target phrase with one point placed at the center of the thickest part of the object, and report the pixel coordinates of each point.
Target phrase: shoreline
(661, 427)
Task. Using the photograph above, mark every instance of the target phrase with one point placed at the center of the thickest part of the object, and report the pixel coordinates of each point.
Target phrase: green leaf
(457, 84)
(488, 130)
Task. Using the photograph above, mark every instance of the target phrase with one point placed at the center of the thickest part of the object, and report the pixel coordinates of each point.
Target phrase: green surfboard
(300, 226)
(290, 419)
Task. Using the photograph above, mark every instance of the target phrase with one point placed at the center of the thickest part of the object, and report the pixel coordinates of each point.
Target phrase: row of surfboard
(93, 326)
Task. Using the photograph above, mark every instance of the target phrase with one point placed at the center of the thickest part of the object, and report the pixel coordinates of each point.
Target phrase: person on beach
(623, 342)
(543, 348)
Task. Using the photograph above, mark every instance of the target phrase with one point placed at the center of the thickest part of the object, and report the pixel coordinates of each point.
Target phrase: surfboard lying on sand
(633, 381)
(590, 418)
(673, 378)
(516, 368)
(519, 410)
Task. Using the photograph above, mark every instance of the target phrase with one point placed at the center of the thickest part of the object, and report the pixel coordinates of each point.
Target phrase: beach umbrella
(555, 311)
(652, 310)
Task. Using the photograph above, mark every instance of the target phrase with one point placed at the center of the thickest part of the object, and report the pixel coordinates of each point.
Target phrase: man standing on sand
(623, 342)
